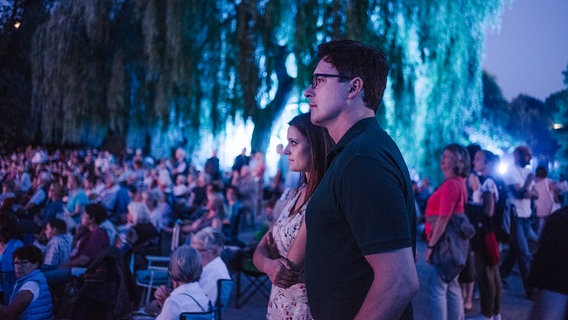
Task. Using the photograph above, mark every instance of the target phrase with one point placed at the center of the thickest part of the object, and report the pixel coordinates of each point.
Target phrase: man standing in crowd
(361, 219)
(520, 181)
(212, 167)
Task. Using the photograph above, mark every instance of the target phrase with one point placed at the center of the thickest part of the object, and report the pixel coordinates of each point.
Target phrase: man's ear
(356, 84)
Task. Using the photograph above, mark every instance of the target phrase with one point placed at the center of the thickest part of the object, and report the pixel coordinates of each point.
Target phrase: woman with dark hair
(486, 249)
(10, 240)
(30, 298)
(184, 271)
(280, 253)
(446, 202)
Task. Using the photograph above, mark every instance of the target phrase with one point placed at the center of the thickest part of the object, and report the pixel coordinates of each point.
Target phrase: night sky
(530, 51)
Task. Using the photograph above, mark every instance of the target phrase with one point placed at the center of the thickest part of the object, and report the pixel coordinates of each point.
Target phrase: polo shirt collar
(354, 131)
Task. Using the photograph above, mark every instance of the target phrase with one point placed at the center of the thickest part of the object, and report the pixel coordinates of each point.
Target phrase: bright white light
(503, 166)
(291, 65)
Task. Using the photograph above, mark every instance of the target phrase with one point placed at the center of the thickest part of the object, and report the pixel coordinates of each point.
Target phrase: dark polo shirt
(364, 205)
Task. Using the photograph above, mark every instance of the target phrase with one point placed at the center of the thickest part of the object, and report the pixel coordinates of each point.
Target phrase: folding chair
(257, 281)
(155, 275)
(209, 315)
(224, 290)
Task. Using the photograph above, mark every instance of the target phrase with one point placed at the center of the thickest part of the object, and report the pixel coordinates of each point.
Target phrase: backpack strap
(199, 305)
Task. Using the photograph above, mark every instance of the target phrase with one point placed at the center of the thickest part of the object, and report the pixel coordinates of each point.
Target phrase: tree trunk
(264, 118)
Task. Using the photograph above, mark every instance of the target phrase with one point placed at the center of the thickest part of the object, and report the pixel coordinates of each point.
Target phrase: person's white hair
(210, 239)
(139, 212)
(165, 180)
(185, 265)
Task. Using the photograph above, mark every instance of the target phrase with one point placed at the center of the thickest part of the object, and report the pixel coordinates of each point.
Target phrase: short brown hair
(356, 59)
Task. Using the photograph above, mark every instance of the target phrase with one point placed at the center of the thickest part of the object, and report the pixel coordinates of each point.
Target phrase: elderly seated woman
(209, 243)
(142, 237)
(30, 298)
(184, 271)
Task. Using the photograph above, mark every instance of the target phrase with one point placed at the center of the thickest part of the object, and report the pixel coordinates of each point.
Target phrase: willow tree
(435, 49)
(69, 62)
(143, 68)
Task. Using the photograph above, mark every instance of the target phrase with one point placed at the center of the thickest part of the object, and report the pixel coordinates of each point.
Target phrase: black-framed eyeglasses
(19, 263)
(318, 78)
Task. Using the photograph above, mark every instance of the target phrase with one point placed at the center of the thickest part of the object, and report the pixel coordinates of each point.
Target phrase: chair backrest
(176, 233)
(155, 275)
(209, 315)
(224, 290)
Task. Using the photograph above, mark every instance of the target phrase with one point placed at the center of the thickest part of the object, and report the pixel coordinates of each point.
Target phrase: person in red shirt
(450, 198)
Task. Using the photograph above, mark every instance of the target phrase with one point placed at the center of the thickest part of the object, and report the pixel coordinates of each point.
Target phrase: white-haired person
(141, 236)
(209, 243)
(184, 270)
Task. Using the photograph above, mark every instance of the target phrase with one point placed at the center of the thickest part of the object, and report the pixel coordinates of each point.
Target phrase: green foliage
(136, 66)
(558, 104)
(532, 124)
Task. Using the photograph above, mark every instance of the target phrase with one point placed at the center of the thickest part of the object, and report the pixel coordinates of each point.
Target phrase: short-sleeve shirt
(91, 244)
(188, 297)
(32, 287)
(448, 199)
(364, 205)
(58, 249)
(79, 197)
(517, 176)
(213, 271)
(38, 197)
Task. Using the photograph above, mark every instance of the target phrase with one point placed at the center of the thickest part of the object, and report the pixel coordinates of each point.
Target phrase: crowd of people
(516, 206)
(72, 204)
(342, 210)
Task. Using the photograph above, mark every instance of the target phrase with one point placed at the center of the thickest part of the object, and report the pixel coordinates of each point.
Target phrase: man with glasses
(31, 298)
(361, 220)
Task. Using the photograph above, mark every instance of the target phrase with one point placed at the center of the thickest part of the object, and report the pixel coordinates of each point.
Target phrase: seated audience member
(161, 211)
(59, 244)
(181, 189)
(141, 236)
(8, 197)
(89, 240)
(215, 211)
(39, 197)
(54, 207)
(10, 240)
(77, 199)
(110, 229)
(184, 271)
(209, 243)
(30, 298)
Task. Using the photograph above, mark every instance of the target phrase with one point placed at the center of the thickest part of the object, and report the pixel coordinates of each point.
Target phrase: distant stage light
(557, 126)
(17, 24)
(503, 167)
